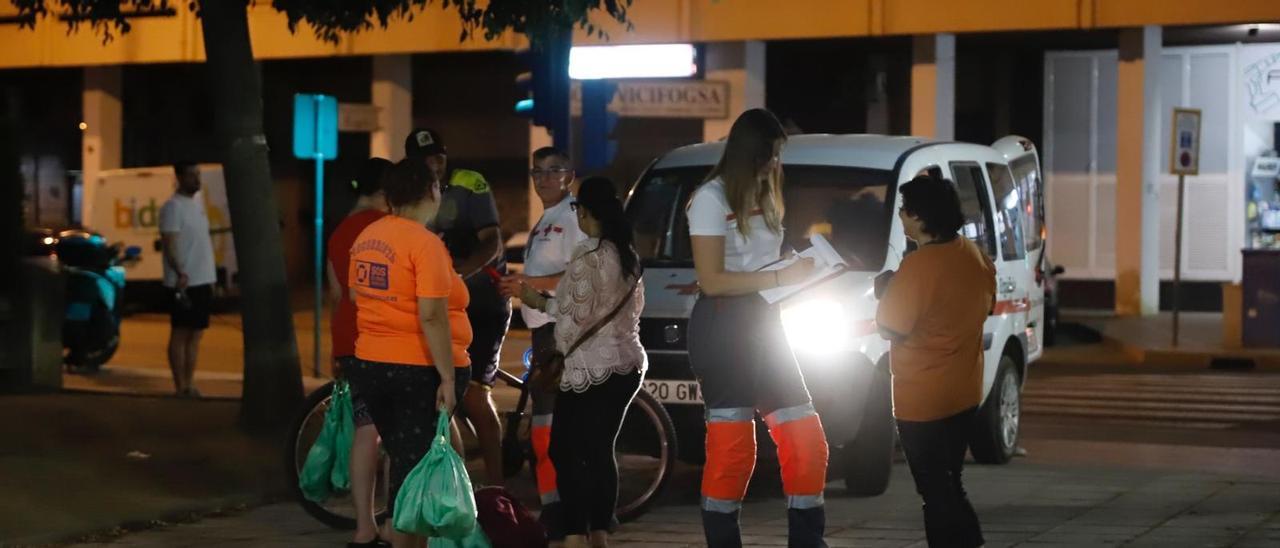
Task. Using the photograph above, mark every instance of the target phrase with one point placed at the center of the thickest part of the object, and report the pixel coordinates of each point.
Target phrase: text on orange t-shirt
(394, 262)
(939, 299)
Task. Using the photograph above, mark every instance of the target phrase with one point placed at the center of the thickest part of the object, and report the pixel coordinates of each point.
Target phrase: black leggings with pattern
(402, 401)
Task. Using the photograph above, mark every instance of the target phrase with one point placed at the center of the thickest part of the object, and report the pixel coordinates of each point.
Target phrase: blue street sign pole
(315, 137)
(319, 259)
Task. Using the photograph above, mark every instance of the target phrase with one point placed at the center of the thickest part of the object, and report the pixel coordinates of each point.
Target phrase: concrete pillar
(538, 137)
(393, 97)
(102, 132)
(1137, 208)
(933, 86)
(742, 65)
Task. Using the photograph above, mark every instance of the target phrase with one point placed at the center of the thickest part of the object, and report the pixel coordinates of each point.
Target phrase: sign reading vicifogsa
(1184, 147)
(652, 99)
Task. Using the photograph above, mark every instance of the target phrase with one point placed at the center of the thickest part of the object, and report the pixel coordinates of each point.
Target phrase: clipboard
(828, 265)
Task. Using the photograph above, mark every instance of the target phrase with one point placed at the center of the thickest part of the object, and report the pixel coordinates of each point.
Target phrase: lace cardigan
(591, 287)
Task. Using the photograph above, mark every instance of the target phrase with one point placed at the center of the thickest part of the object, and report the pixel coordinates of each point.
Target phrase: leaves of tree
(332, 19)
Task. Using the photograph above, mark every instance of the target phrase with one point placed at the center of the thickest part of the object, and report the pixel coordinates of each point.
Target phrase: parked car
(845, 187)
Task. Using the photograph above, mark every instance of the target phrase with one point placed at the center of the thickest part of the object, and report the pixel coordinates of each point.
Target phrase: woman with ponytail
(596, 308)
(737, 347)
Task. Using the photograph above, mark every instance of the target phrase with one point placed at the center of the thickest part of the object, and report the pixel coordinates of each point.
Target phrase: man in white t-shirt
(188, 272)
(546, 255)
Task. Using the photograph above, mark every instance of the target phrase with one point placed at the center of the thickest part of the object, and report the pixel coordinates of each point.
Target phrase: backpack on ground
(506, 522)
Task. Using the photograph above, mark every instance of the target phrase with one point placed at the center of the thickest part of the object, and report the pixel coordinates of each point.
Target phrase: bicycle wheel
(339, 510)
(646, 455)
(645, 451)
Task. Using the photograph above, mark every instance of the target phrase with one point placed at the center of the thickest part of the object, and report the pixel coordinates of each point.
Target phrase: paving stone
(1081, 539)
(873, 534)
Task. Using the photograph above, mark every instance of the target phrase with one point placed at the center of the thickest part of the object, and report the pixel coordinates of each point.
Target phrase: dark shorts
(402, 401)
(490, 316)
(194, 314)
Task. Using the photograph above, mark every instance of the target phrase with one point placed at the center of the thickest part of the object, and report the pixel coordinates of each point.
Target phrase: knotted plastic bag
(436, 499)
(327, 468)
(477, 539)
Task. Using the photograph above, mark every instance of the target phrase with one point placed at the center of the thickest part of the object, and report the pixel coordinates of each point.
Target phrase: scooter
(94, 297)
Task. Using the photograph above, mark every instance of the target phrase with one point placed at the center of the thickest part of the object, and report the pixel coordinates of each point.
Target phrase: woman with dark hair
(600, 298)
(737, 347)
(411, 358)
(932, 313)
(371, 205)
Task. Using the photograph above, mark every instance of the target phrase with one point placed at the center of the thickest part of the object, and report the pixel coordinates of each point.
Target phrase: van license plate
(678, 392)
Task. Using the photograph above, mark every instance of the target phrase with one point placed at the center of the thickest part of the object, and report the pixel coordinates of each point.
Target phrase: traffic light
(544, 87)
(598, 146)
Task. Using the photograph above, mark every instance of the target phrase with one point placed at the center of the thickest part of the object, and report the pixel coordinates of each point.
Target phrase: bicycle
(645, 451)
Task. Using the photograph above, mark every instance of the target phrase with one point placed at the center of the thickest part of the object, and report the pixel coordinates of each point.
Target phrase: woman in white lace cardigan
(604, 373)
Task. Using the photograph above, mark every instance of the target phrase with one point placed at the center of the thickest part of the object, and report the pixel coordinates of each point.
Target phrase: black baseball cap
(369, 180)
(423, 142)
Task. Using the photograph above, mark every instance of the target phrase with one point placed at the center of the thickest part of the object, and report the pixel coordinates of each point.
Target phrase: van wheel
(868, 459)
(995, 434)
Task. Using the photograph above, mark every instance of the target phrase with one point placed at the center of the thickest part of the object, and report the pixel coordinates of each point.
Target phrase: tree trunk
(272, 377)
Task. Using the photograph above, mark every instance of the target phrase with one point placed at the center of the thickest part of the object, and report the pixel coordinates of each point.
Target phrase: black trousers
(402, 401)
(583, 433)
(935, 452)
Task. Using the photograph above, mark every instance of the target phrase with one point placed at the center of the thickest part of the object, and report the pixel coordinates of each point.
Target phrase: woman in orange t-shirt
(411, 323)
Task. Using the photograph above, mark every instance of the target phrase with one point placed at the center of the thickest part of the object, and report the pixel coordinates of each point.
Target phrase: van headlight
(816, 327)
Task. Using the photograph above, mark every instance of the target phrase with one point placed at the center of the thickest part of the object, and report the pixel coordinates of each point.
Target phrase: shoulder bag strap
(605, 320)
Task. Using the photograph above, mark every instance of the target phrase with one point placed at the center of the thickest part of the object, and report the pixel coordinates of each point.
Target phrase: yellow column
(393, 97)
(742, 65)
(1137, 166)
(102, 132)
(933, 86)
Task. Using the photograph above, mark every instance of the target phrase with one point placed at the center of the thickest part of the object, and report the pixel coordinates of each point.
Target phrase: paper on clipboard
(826, 263)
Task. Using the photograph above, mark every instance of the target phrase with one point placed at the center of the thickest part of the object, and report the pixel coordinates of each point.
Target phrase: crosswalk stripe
(1270, 411)
(1196, 401)
(1149, 396)
(1146, 413)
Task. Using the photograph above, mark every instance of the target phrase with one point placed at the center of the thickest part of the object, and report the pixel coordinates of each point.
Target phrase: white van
(845, 187)
(126, 208)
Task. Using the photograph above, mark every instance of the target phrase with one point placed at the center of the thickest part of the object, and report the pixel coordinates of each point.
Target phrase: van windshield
(844, 204)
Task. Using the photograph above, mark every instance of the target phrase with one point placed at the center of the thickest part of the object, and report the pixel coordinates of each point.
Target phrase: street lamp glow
(644, 61)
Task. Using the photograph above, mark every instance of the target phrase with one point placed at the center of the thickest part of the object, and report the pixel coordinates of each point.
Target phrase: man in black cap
(468, 223)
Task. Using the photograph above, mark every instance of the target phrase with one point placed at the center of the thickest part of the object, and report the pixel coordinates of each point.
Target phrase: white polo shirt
(549, 250)
(185, 217)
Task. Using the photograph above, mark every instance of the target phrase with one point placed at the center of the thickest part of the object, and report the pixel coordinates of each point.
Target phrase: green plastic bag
(327, 468)
(477, 539)
(436, 499)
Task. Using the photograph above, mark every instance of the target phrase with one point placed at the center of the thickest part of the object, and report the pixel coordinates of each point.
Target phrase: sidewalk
(145, 381)
(1022, 504)
(75, 464)
(1148, 341)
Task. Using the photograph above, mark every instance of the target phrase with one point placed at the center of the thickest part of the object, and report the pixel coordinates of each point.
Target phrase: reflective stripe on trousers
(545, 471)
(731, 458)
(802, 454)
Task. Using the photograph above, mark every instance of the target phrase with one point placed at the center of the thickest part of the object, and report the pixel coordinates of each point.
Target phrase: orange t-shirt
(939, 299)
(342, 325)
(394, 262)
